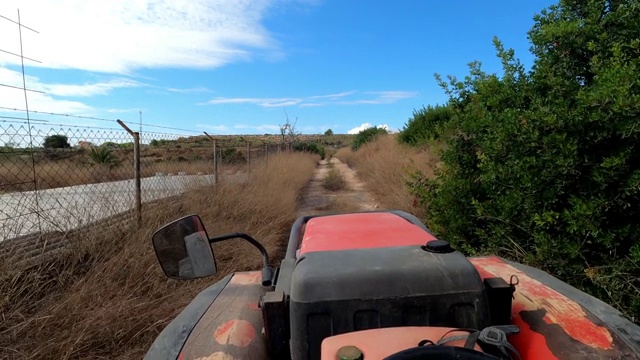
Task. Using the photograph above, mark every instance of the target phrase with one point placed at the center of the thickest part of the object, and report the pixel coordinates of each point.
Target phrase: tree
(367, 135)
(288, 131)
(329, 132)
(544, 166)
(56, 141)
(426, 124)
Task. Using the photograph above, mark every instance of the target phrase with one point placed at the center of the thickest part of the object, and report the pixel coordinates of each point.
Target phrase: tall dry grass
(108, 298)
(384, 165)
(18, 174)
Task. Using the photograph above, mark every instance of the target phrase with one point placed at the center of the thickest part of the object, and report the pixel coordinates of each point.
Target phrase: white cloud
(264, 102)
(14, 98)
(380, 97)
(115, 110)
(383, 97)
(120, 36)
(332, 96)
(85, 90)
(365, 126)
(189, 90)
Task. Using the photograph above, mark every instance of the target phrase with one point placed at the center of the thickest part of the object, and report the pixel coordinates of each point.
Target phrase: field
(384, 166)
(108, 298)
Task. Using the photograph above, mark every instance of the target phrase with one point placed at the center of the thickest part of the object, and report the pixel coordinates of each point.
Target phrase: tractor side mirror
(184, 250)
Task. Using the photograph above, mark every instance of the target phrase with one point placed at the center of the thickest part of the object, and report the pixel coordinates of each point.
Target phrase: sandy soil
(318, 200)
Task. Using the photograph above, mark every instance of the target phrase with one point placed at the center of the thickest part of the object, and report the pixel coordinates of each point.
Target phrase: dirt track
(318, 200)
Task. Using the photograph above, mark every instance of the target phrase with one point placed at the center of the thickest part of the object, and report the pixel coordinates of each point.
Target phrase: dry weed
(108, 299)
(334, 180)
(384, 165)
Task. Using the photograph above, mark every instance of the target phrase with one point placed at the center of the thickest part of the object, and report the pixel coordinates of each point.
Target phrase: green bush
(544, 166)
(427, 124)
(232, 156)
(310, 147)
(56, 141)
(365, 136)
(104, 156)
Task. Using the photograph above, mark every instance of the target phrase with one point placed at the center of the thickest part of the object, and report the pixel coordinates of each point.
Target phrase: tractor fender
(173, 337)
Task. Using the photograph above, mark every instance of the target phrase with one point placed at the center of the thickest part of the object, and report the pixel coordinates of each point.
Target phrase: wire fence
(58, 179)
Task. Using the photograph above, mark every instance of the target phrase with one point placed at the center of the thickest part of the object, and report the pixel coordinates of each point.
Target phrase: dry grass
(339, 204)
(334, 180)
(18, 174)
(108, 299)
(383, 166)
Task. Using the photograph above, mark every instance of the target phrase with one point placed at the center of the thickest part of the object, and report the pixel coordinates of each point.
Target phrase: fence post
(136, 161)
(215, 158)
(215, 162)
(136, 169)
(248, 161)
(266, 153)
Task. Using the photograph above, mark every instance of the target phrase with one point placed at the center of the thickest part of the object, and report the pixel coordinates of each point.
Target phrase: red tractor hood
(361, 231)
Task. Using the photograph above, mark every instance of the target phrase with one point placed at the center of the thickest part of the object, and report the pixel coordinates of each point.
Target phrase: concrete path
(62, 209)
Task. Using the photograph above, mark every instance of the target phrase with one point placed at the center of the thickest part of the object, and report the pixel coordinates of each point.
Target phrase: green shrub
(104, 156)
(427, 124)
(310, 147)
(56, 141)
(232, 156)
(544, 167)
(367, 135)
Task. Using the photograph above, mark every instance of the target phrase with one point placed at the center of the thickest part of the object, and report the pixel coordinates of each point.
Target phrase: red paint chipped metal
(235, 332)
(217, 356)
(531, 294)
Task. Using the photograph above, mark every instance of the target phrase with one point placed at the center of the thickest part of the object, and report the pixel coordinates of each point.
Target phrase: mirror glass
(183, 249)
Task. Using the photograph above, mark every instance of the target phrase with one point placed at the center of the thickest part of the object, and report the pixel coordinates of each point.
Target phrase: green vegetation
(163, 142)
(104, 156)
(365, 136)
(310, 147)
(544, 166)
(427, 124)
(329, 132)
(232, 156)
(56, 141)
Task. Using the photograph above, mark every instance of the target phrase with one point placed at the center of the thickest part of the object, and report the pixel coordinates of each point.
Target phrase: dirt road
(318, 200)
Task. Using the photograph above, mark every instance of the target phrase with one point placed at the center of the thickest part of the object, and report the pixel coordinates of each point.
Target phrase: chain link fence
(56, 180)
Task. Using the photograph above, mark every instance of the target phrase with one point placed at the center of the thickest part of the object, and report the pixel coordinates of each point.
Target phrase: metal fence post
(215, 162)
(248, 160)
(136, 161)
(215, 158)
(266, 153)
(136, 169)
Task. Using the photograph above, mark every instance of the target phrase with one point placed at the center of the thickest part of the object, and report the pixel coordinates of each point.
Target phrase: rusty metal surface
(232, 326)
(552, 325)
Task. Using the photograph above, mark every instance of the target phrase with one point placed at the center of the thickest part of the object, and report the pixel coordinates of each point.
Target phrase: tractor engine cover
(335, 292)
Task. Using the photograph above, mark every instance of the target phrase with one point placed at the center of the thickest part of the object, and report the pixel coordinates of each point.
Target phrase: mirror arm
(267, 271)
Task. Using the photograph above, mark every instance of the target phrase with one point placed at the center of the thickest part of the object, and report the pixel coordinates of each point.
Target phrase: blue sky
(235, 67)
